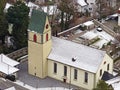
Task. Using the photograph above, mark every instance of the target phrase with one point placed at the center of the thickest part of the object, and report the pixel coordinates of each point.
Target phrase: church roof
(37, 21)
(86, 58)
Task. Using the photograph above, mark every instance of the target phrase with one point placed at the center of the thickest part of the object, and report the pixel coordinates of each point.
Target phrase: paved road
(7, 84)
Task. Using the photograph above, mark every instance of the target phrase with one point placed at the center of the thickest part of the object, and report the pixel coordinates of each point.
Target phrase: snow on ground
(77, 31)
(32, 5)
(94, 33)
(89, 35)
(114, 73)
(115, 82)
(11, 88)
(81, 2)
(104, 37)
(33, 88)
(50, 9)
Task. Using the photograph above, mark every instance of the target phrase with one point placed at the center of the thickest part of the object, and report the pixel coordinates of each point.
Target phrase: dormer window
(47, 37)
(35, 38)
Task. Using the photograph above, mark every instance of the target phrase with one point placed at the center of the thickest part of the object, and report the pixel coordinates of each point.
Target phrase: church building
(63, 60)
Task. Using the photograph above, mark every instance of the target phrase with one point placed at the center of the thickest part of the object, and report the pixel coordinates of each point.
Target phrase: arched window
(35, 38)
(47, 26)
(47, 37)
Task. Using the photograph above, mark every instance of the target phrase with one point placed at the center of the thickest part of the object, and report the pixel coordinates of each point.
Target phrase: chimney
(73, 59)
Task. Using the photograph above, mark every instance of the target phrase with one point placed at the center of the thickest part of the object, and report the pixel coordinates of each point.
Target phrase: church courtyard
(34, 83)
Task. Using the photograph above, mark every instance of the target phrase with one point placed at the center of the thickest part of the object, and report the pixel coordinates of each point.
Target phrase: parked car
(10, 77)
(99, 29)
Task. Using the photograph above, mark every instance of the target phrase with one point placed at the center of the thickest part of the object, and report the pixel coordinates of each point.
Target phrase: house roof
(32, 5)
(107, 76)
(88, 23)
(7, 6)
(7, 60)
(7, 69)
(37, 21)
(51, 8)
(81, 2)
(7, 65)
(87, 58)
(115, 82)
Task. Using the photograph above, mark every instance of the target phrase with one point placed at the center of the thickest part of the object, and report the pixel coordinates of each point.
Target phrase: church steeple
(39, 43)
(39, 24)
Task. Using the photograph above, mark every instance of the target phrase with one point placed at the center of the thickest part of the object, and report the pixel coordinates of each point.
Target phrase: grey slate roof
(37, 21)
(87, 58)
(107, 76)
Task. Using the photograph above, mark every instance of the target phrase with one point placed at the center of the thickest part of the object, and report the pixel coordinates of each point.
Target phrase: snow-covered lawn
(89, 35)
(104, 37)
(77, 31)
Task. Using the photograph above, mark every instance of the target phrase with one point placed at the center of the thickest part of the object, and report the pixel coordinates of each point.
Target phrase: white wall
(103, 66)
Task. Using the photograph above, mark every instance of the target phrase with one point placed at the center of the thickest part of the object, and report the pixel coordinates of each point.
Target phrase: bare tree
(68, 10)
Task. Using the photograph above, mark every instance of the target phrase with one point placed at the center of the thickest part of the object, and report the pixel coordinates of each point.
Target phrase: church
(63, 60)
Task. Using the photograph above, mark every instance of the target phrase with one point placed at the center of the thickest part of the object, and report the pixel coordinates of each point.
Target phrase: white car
(99, 29)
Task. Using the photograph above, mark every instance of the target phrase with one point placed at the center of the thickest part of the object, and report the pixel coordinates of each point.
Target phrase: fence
(18, 53)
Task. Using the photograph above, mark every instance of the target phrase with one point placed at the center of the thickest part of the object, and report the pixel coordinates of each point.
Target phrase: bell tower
(39, 43)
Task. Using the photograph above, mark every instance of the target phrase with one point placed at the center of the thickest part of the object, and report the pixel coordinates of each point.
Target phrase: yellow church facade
(63, 60)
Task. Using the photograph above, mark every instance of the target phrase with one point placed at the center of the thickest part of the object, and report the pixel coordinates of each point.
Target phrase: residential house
(42, 1)
(8, 66)
(111, 3)
(81, 5)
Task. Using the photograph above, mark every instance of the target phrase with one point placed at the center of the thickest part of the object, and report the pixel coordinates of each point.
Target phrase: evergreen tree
(103, 86)
(3, 28)
(3, 21)
(18, 16)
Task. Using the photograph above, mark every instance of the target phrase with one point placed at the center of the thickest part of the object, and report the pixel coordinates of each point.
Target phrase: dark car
(10, 77)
